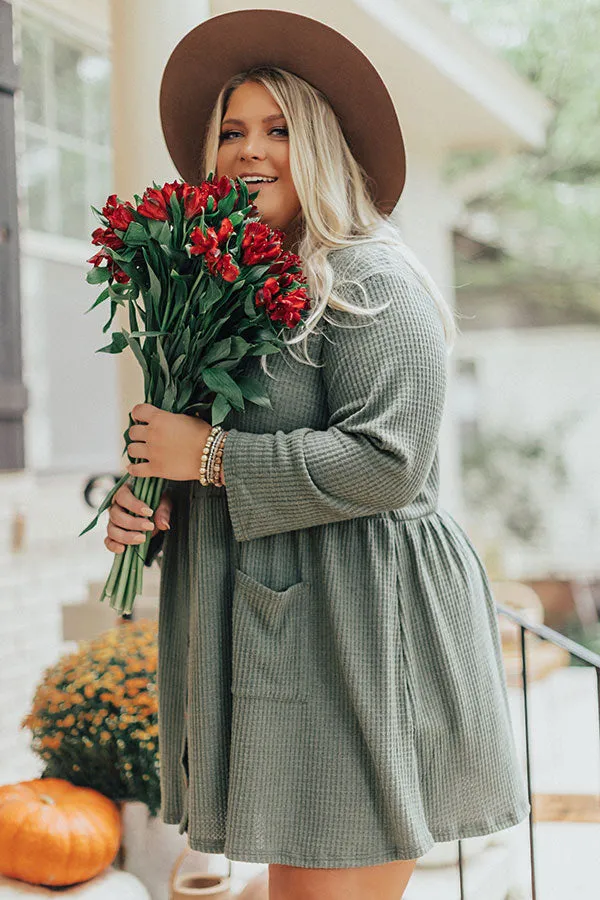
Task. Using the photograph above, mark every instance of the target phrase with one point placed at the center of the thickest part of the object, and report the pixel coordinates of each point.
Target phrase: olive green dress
(331, 682)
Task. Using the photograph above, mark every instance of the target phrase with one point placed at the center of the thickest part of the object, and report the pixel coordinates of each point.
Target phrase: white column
(143, 37)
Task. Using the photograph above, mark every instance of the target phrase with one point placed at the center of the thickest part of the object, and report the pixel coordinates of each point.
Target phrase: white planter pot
(150, 848)
(108, 885)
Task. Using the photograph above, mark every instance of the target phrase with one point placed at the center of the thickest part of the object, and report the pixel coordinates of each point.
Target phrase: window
(63, 116)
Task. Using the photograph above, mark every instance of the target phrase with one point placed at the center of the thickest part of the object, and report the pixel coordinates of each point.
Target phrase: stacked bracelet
(210, 467)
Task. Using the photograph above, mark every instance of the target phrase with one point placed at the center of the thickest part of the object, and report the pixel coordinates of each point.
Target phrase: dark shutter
(13, 395)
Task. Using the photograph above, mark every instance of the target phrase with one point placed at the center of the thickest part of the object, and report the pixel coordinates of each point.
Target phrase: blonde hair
(334, 192)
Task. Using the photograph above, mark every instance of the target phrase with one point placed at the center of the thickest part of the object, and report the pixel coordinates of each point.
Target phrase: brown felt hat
(226, 44)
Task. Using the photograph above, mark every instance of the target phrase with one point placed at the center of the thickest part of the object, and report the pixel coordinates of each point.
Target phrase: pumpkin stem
(46, 798)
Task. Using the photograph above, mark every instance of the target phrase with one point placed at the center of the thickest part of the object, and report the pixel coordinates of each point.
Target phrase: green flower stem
(125, 581)
(116, 601)
(167, 309)
(112, 578)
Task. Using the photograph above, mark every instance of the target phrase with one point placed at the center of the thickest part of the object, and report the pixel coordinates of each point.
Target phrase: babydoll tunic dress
(330, 675)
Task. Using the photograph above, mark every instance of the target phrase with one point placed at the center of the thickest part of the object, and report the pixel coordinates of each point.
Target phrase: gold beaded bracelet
(210, 466)
(215, 430)
(216, 470)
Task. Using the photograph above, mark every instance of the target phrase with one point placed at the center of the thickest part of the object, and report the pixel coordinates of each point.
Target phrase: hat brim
(223, 45)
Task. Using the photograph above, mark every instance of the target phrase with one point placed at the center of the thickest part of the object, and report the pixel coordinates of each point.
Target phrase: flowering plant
(94, 716)
(206, 286)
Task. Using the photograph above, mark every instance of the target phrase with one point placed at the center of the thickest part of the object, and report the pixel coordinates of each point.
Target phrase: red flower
(208, 245)
(269, 289)
(227, 268)
(287, 307)
(107, 238)
(260, 244)
(154, 205)
(117, 273)
(285, 280)
(172, 187)
(220, 188)
(118, 214)
(203, 243)
(224, 231)
(195, 197)
(285, 262)
(194, 200)
(98, 258)
(212, 258)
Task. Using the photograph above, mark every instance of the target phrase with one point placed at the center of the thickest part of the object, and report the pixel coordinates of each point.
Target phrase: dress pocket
(270, 637)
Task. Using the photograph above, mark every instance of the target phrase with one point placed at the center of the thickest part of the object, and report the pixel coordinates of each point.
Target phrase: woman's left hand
(171, 442)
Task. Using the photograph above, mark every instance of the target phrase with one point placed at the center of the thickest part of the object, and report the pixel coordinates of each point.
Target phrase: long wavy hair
(334, 191)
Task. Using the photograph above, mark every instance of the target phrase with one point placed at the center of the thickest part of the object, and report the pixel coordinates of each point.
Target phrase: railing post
(528, 759)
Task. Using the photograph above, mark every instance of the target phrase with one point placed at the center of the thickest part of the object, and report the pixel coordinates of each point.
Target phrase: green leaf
(136, 235)
(185, 392)
(256, 273)
(218, 380)
(99, 299)
(163, 361)
(212, 294)
(155, 227)
(220, 350)
(147, 333)
(164, 236)
(98, 274)
(253, 391)
(177, 365)
(118, 290)
(155, 287)
(106, 502)
(119, 342)
(124, 255)
(239, 347)
(219, 409)
(99, 215)
(236, 218)
(250, 305)
(159, 390)
(263, 349)
(227, 204)
(139, 355)
(113, 310)
(169, 396)
(177, 214)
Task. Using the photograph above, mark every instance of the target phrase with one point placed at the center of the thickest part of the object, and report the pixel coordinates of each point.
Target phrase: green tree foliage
(549, 199)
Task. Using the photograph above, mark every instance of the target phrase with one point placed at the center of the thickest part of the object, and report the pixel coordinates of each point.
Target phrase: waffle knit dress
(330, 676)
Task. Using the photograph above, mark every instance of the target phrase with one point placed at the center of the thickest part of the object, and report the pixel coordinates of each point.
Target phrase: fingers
(162, 516)
(124, 527)
(127, 499)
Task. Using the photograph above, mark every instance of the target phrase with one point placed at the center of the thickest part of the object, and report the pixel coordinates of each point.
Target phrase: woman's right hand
(124, 528)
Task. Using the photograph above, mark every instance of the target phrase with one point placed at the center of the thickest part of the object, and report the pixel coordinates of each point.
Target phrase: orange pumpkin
(55, 833)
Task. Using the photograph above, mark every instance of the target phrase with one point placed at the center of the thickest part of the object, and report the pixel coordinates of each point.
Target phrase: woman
(332, 693)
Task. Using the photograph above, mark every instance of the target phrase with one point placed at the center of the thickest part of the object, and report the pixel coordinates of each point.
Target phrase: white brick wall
(54, 567)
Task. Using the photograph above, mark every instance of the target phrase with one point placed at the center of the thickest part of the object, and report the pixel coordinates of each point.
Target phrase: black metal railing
(577, 650)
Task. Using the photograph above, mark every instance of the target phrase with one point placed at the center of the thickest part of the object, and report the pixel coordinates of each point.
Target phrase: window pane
(72, 194)
(96, 77)
(37, 170)
(68, 89)
(32, 75)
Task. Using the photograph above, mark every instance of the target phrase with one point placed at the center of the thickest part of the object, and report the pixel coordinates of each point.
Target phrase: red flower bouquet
(206, 284)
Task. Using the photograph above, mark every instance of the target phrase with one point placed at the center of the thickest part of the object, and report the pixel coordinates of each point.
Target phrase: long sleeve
(386, 384)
